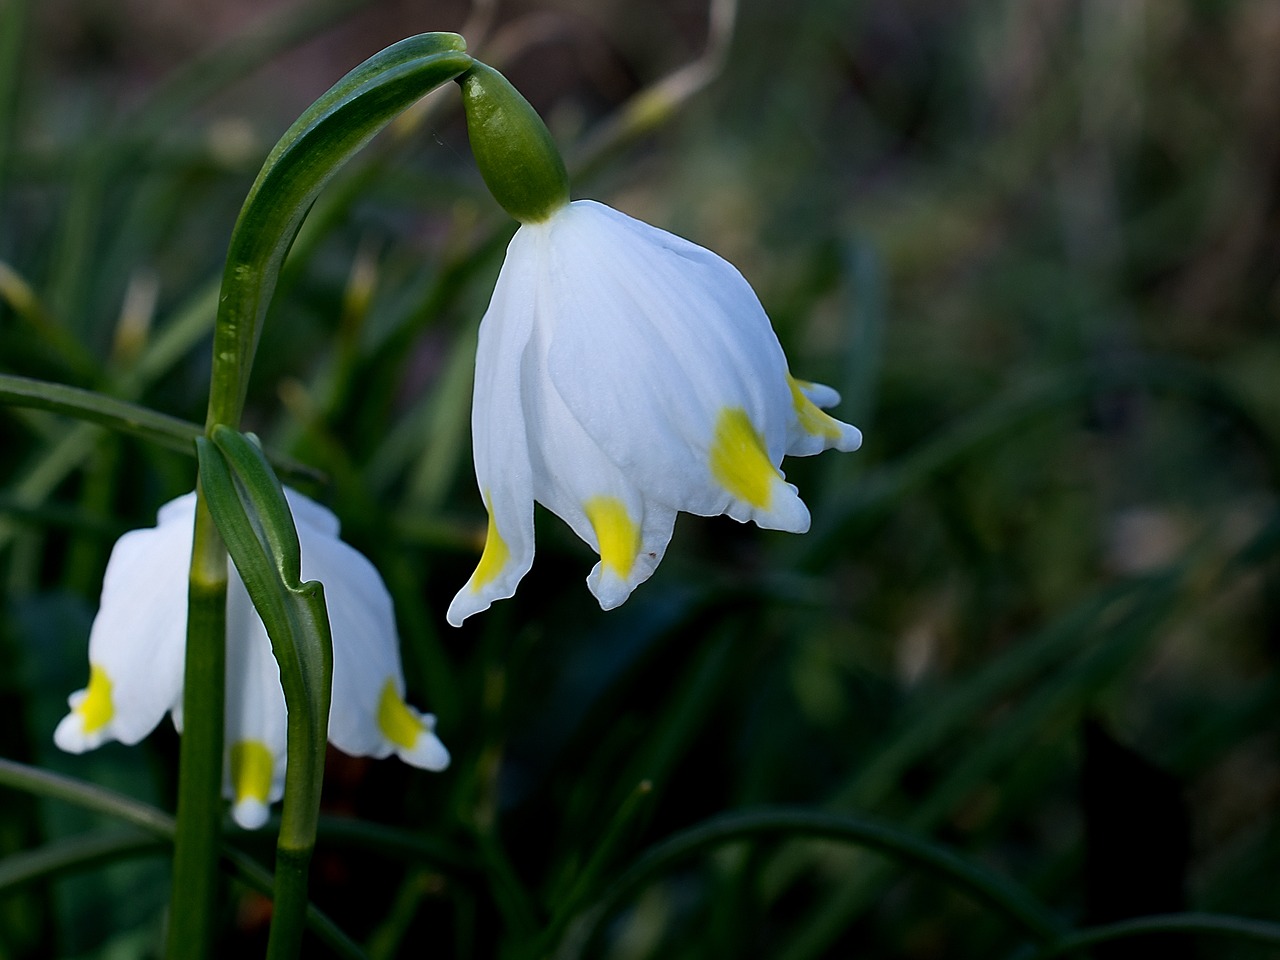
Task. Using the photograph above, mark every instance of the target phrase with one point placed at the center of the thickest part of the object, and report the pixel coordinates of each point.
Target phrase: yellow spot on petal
(495, 555)
(397, 722)
(252, 767)
(812, 419)
(739, 460)
(95, 709)
(616, 533)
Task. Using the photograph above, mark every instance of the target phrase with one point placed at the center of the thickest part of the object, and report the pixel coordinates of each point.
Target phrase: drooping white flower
(622, 375)
(138, 640)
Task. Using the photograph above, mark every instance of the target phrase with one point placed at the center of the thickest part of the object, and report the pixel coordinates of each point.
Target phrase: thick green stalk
(322, 140)
(198, 840)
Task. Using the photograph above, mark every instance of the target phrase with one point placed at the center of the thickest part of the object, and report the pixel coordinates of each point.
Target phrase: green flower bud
(512, 146)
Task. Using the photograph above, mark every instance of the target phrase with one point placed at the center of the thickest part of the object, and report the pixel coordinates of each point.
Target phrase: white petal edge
(138, 638)
(498, 437)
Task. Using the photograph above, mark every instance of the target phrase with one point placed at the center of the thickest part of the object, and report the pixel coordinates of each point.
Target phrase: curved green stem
(1240, 928)
(311, 152)
(1005, 897)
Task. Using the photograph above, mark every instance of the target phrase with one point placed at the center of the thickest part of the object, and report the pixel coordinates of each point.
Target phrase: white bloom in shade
(138, 639)
(622, 375)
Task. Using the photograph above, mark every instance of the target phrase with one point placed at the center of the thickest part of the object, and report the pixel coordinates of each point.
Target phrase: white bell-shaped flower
(138, 639)
(622, 375)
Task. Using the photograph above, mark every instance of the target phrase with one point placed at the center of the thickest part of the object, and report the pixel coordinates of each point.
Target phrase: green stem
(308, 724)
(198, 838)
(290, 902)
(1007, 898)
(1242, 928)
(332, 130)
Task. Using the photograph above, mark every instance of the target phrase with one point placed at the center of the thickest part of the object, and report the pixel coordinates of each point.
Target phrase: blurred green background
(1034, 243)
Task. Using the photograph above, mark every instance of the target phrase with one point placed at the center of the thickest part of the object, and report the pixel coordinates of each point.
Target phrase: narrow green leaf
(249, 506)
(1238, 928)
(161, 429)
(264, 500)
(73, 854)
(997, 892)
(157, 823)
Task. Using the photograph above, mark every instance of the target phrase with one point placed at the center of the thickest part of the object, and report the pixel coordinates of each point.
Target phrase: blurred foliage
(1033, 242)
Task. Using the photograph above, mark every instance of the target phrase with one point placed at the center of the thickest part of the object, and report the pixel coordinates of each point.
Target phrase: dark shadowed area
(1035, 244)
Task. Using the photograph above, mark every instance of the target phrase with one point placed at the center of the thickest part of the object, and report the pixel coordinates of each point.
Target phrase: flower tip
(70, 735)
(463, 606)
(610, 589)
(850, 438)
(250, 813)
(785, 511)
(427, 753)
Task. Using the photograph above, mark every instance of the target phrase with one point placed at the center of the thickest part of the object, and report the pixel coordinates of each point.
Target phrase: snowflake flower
(622, 375)
(138, 640)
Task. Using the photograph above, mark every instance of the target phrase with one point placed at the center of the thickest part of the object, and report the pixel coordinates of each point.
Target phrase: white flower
(624, 374)
(138, 640)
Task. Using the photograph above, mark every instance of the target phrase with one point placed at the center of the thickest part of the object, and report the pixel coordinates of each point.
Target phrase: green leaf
(121, 416)
(249, 507)
(991, 889)
(157, 823)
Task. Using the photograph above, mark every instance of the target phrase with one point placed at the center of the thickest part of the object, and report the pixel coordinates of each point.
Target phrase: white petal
(611, 582)
(368, 716)
(138, 639)
(306, 512)
(578, 482)
(365, 645)
(256, 718)
(498, 432)
(819, 394)
(812, 430)
(655, 342)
